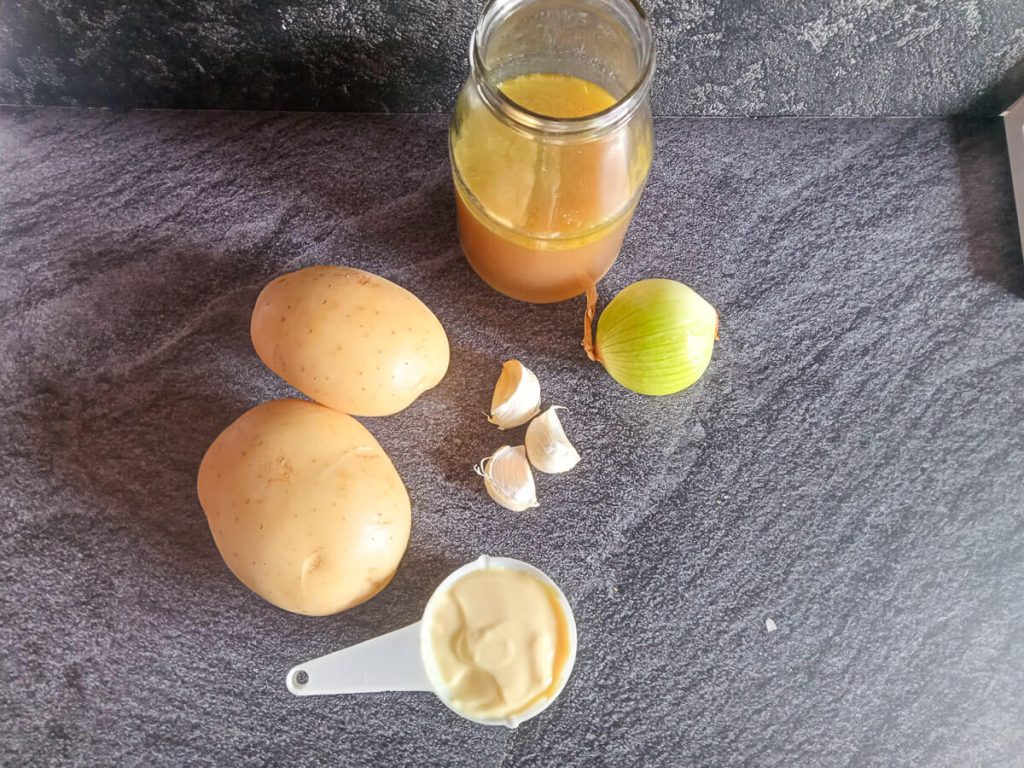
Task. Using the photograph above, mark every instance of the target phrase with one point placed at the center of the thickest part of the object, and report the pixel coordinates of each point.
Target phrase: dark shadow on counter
(126, 432)
(986, 188)
(127, 427)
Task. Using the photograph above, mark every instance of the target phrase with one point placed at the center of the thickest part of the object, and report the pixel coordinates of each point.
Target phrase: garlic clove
(508, 478)
(516, 397)
(547, 446)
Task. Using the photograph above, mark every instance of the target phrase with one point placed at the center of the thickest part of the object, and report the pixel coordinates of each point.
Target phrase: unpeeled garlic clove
(508, 478)
(516, 397)
(547, 446)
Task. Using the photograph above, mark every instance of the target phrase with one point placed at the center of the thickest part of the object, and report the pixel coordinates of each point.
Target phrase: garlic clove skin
(516, 397)
(547, 446)
(508, 478)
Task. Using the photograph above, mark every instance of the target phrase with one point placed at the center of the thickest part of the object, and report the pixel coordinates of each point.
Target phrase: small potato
(350, 340)
(305, 507)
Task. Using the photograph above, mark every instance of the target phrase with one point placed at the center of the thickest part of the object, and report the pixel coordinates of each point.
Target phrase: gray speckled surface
(716, 57)
(850, 466)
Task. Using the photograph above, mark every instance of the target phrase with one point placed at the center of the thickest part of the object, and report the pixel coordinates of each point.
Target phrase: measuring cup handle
(391, 662)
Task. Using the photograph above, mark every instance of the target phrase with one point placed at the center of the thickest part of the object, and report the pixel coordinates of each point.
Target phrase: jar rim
(535, 122)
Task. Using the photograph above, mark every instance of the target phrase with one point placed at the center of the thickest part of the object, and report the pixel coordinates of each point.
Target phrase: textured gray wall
(717, 57)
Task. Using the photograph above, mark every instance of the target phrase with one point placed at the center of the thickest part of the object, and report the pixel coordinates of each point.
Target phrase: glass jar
(551, 142)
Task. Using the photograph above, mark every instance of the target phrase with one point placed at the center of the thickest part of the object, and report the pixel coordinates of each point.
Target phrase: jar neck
(487, 81)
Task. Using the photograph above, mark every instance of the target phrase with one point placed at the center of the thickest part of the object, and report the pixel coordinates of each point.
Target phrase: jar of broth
(551, 142)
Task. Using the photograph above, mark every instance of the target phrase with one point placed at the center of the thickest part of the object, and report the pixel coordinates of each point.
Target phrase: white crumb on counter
(769, 624)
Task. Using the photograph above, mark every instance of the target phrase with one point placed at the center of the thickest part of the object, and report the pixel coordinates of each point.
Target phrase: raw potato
(305, 507)
(349, 339)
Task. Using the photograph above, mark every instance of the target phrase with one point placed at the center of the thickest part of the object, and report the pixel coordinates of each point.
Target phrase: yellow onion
(655, 337)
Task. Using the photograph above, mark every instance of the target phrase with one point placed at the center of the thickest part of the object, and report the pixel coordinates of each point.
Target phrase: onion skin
(656, 337)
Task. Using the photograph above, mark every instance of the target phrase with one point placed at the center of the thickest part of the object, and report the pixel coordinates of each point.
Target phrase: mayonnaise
(498, 641)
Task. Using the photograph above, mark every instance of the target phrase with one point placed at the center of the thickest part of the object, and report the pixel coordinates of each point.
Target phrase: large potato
(348, 339)
(305, 507)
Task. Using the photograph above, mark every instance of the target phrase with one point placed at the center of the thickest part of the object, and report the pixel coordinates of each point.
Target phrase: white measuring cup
(401, 660)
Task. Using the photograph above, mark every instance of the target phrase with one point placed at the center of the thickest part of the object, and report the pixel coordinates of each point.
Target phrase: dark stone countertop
(851, 465)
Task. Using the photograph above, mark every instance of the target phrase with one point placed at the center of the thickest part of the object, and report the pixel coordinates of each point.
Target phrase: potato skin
(349, 339)
(305, 507)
